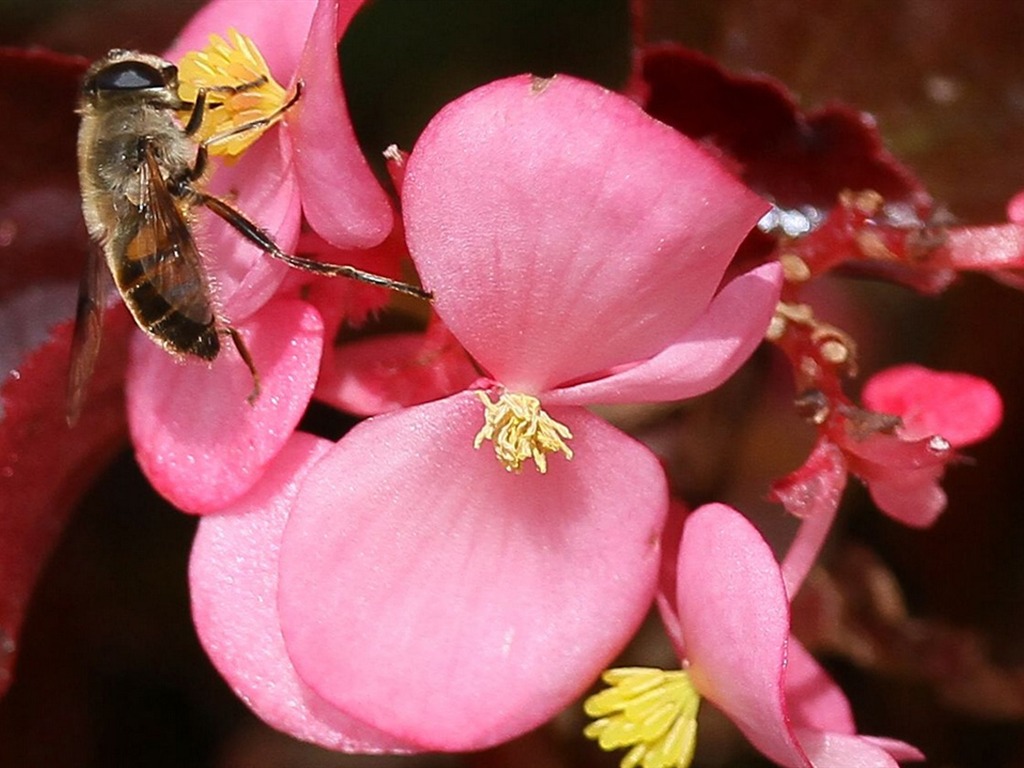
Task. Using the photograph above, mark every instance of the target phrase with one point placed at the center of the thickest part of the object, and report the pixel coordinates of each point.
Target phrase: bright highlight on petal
(651, 711)
(239, 89)
(521, 430)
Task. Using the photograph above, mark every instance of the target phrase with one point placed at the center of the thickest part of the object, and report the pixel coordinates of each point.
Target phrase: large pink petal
(432, 594)
(735, 621)
(340, 195)
(233, 577)
(706, 355)
(565, 232)
(279, 35)
(196, 437)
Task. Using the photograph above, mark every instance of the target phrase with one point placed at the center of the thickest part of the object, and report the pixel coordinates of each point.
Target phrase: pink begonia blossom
(197, 439)
(918, 418)
(575, 248)
(728, 615)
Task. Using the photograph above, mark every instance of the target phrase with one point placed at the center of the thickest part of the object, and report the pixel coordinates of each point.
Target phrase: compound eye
(128, 76)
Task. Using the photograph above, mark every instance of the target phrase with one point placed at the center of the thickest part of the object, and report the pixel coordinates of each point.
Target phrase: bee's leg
(257, 236)
(195, 118)
(253, 125)
(198, 107)
(243, 352)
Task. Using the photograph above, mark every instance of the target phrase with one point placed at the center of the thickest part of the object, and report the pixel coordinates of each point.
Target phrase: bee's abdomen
(186, 327)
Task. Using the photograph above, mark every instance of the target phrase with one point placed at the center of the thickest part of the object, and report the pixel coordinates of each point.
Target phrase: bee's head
(130, 74)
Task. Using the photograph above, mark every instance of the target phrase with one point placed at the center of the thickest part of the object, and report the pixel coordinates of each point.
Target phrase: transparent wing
(85, 343)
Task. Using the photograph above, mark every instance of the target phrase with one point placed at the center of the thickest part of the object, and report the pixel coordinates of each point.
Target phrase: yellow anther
(240, 92)
(651, 712)
(520, 430)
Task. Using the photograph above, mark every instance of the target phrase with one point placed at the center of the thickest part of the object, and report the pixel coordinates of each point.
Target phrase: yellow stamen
(650, 711)
(239, 92)
(520, 430)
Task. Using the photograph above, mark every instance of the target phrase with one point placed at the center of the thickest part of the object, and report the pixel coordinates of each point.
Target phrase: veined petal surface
(429, 592)
(563, 231)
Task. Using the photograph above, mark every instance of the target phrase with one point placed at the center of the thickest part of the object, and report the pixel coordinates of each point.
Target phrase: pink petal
(667, 578)
(902, 475)
(343, 301)
(432, 594)
(812, 493)
(813, 700)
(340, 195)
(735, 620)
(262, 186)
(279, 36)
(382, 373)
(563, 231)
(835, 750)
(196, 437)
(961, 408)
(233, 576)
(999, 246)
(916, 500)
(707, 353)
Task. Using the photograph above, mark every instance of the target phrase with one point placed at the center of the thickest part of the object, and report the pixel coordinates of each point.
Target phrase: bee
(141, 173)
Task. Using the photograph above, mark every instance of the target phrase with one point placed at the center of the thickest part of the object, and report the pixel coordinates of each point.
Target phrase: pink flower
(197, 438)
(575, 248)
(728, 615)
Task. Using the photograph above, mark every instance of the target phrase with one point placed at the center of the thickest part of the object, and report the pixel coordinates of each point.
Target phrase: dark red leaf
(45, 466)
(42, 235)
(798, 160)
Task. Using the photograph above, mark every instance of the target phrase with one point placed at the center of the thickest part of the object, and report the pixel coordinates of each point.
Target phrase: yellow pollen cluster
(240, 92)
(520, 430)
(650, 711)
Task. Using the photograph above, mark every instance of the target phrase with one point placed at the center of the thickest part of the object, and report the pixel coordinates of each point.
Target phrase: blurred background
(110, 672)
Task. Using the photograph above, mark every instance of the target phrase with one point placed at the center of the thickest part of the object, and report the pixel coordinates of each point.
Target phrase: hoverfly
(141, 174)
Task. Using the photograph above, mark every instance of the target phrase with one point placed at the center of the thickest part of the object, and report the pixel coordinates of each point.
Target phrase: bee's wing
(165, 259)
(85, 343)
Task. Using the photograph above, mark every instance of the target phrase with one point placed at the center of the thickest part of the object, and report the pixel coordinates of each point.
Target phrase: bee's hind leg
(246, 355)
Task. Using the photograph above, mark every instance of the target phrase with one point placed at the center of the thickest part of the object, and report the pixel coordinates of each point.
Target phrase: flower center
(650, 711)
(520, 430)
(240, 92)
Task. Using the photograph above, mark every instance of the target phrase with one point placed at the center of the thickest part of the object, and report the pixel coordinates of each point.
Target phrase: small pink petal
(340, 195)
(233, 577)
(735, 619)
(902, 475)
(341, 300)
(812, 493)
(432, 594)
(196, 437)
(998, 246)
(916, 500)
(958, 406)
(813, 700)
(279, 36)
(666, 598)
(382, 373)
(1015, 208)
(596, 219)
(707, 354)
(837, 750)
